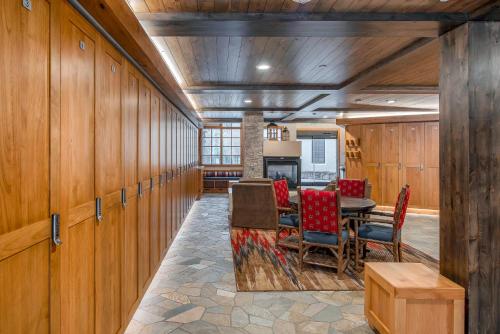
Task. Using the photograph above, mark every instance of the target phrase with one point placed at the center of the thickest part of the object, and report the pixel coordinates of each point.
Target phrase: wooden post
(470, 169)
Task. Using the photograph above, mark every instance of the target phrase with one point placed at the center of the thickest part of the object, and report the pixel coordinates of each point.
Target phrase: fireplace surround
(283, 167)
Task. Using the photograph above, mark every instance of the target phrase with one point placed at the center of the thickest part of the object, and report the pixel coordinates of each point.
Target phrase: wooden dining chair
(289, 219)
(353, 187)
(321, 226)
(382, 230)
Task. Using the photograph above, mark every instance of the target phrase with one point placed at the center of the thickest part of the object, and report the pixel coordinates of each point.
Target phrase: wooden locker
(163, 173)
(78, 60)
(431, 166)
(26, 257)
(371, 145)
(413, 162)
(154, 189)
(130, 228)
(108, 185)
(175, 159)
(391, 163)
(169, 174)
(144, 175)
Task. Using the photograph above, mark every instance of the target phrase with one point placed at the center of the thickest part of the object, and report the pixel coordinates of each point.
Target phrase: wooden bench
(410, 298)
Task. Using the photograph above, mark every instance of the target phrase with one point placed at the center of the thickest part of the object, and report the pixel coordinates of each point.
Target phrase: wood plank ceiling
(310, 77)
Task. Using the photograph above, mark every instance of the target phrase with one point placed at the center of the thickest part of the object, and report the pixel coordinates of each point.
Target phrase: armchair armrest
(373, 220)
(344, 221)
(281, 209)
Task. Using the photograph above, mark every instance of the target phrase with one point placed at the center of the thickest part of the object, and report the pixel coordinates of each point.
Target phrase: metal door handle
(98, 209)
(124, 198)
(55, 233)
(139, 190)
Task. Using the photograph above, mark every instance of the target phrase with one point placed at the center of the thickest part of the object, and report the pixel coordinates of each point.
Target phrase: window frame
(324, 151)
(221, 127)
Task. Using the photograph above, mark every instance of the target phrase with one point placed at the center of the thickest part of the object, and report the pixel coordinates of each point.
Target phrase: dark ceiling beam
(335, 24)
(294, 88)
(489, 12)
(243, 109)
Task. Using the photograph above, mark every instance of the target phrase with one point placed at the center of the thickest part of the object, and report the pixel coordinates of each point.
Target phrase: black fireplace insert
(287, 168)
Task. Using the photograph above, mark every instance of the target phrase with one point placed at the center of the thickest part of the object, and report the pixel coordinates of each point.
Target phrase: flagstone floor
(194, 290)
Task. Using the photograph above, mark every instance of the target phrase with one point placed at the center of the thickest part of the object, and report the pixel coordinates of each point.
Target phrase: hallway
(194, 290)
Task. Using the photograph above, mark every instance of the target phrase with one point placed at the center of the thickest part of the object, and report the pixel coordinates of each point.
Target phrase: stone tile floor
(422, 233)
(194, 290)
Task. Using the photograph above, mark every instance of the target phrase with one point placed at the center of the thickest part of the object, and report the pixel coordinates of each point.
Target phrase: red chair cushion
(402, 214)
(282, 194)
(319, 211)
(352, 188)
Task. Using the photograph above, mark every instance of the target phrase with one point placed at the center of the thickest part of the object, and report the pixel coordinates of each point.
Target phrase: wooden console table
(410, 298)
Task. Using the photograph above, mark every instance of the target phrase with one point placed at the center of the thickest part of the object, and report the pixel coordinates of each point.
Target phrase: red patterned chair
(321, 225)
(383, 231)
(353, 188)
(289, 219)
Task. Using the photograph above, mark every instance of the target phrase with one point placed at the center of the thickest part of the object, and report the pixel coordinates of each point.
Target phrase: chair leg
(301, 255)
(356, 253)
(395, 251)
(399, 252)
(340, 264)
(364, 250)
(348, 250)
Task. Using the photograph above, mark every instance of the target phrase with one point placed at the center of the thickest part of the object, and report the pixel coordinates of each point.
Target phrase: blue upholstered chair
(378, 229)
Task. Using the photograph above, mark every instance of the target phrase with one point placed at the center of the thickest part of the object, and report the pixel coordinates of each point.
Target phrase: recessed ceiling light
(358, 100)
(340, 114)
(263, 67)
(322, 66)
(314, 113)
(325, 116)
(301, 1)
(391, 101)
(443, 0)
(247, 101)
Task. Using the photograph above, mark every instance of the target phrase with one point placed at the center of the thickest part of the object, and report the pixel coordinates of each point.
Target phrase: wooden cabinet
(395, 154)
(409, 298)
(413, 161)
(27, 263)
(371, 144)
(80, 130)
(431, 166)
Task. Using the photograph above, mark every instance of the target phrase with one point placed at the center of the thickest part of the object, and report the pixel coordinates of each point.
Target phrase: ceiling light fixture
(247, 101)
(322, 66)
(325, 116)
(391, 101)
(263, 67)
(301, 1)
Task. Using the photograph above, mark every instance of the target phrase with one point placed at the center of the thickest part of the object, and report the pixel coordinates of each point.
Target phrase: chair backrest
(401, 206)
(254, 206)
(353, 187)
(282, 193)
(256, 180)
(319, 210)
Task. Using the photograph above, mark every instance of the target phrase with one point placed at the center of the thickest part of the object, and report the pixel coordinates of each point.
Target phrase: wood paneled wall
(393, 154)
(79, 127)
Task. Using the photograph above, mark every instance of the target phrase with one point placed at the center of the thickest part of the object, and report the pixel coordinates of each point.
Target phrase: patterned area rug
(259, 266)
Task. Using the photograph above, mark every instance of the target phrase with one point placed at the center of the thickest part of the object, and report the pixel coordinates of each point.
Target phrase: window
(318, 151)
(221, 144)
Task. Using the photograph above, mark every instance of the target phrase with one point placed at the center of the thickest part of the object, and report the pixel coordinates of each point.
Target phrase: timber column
(470, 170)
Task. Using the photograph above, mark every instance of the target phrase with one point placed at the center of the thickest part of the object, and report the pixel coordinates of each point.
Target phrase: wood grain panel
(130, 256)
(155, 134)
(143, 241)
(413, 161)
(80, 288)
(24, 292)
(154, 228)
(431, 165)
(24, 104)
(108, 118)
(130, 120)
(391, 163)
(371, 144)
(108, 272)
(144, 137)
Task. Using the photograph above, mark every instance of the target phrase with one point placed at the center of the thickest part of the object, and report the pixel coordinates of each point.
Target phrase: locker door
(144, 175)
(413, 161)
(170, 230)
(391, 163)
(78, 53)
(130, 233)
(163, 172)
(25, 168)
(155, 191)
(371, 145)
(108, 185)
(431, 165)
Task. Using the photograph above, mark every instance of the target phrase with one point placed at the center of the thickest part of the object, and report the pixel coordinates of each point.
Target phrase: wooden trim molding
(389, 119)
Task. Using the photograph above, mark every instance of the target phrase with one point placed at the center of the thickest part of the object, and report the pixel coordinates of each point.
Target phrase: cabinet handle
(151, 183)
(124, 198)
(139, 190)
(98, 209)
(399, 165)
(55, 233)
